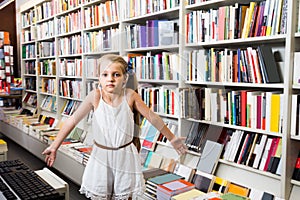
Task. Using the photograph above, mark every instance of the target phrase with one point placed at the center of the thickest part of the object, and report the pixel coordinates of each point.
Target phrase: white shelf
(35, 146)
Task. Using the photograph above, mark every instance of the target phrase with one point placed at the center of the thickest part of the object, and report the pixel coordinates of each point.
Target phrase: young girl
(113, 170)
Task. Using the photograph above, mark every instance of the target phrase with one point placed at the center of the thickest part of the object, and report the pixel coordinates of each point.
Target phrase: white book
(258, 150)
(210, 157)
(296, 75)
(265, 154)
(294, 114)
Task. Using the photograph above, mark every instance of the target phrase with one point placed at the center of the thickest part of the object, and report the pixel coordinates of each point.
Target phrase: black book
(296, 173)
(269, 64)
(267, 196)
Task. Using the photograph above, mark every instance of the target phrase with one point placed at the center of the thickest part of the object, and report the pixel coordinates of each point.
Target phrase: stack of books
(153, 183)
(167, 190)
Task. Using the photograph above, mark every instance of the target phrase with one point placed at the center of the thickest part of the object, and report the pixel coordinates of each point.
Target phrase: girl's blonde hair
(106, 60)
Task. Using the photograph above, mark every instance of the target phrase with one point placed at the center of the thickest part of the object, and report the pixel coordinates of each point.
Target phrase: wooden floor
(17, 152)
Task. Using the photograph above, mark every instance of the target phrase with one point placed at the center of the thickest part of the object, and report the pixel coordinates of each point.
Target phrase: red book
(258, 112)
(273, 148)
(243, 107)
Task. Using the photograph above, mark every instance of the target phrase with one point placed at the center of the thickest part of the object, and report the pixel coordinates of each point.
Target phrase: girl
(113, 170)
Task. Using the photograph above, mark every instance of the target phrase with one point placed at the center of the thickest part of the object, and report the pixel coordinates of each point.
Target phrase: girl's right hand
(50, 156)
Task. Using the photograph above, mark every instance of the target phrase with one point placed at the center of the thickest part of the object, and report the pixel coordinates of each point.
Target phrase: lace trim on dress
(136, 195)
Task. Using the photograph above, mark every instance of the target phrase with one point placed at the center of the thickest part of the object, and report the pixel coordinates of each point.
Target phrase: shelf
(240, 85)
(213, 4)
(238, 42)
(63, 162)
(243, 175)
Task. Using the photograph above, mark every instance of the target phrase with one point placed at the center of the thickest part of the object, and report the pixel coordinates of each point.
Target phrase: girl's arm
(85, 107)
(158, 123)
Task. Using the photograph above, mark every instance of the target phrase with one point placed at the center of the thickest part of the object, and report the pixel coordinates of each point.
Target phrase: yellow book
(275, 113)
(2, 142)
(220, 185)
(248, 19)
(193, 193)
(238, 189)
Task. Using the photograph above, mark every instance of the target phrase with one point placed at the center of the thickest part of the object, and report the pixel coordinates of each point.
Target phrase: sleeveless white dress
(113, 174)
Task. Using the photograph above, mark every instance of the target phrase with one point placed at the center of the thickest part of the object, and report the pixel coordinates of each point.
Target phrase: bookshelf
(49, 40)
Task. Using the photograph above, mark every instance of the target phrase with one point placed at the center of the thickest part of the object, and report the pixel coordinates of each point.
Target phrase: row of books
(250, 65)
(70, 45)
(69, 107)
(154, 33)
(48, 85)
(30, 83)
(44, 11)
(28, 51)
(70, 67)
(150, 135)
(253, 109)
(69, 23)
(135, 8)
(295, 113)
(163, 99)
(30, 99)
(92, 70)
(70, 88)
(45, 67)
(161, 66)
(263, 18)
(161, 184)
(102, 40)
(40, 31)
(45, 128)
(101, 14)
(46, 49)
(30, 67)
(49, 103)
(254, 150)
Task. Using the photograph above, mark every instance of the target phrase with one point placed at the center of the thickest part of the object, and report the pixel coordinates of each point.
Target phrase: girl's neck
(112, 98)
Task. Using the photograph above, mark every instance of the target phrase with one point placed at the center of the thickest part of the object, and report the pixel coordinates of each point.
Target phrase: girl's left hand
(179, 145)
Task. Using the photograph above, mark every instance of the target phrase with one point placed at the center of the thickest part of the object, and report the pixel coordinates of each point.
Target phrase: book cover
(203, 181)
(269, 64)
(237, 189)
(209, 157)
(184, 171)
(150, 173)
(163, 179)
(220, 185)
(188, 195)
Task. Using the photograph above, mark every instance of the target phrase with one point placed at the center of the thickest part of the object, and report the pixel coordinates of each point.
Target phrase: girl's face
(112, 78)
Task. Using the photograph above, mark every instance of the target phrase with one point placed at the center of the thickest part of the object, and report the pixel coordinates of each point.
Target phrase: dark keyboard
(20, 182)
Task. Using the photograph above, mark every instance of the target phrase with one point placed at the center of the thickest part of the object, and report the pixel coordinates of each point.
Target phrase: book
(155, 160)
(210, 157)
(150, 173)
(188, 195)
(269, 64)
(267, 196)
(169, 189)
(164, 178)
(203, 181)
(231, 196)
(220, 185)
(296, 172)
(184, 171)
(237, 189)
(149, 134)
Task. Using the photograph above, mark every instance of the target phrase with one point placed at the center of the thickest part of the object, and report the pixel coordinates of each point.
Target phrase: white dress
(113, 174)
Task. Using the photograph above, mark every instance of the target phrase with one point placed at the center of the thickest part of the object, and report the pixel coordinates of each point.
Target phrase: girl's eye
(117, 75)
(104, 75)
